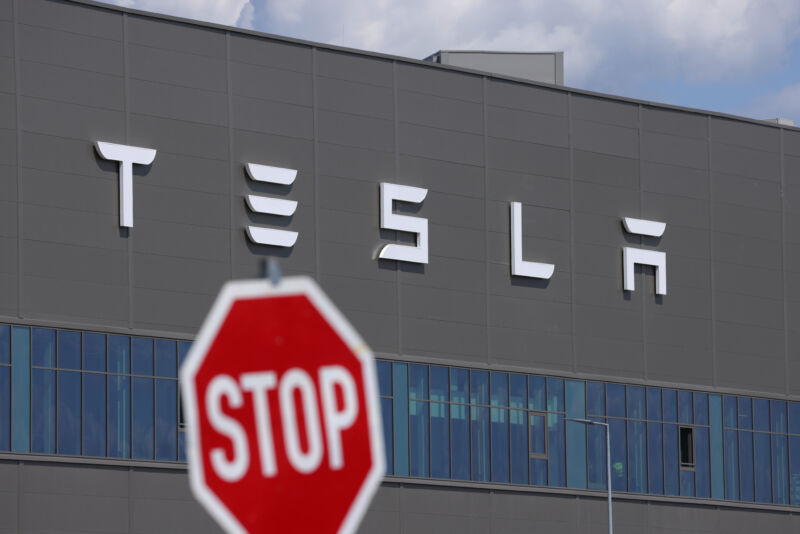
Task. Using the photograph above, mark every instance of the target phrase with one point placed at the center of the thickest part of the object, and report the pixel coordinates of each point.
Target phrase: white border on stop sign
(248, 289)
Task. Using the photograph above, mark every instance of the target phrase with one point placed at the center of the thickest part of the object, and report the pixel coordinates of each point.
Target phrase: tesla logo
(271, 205)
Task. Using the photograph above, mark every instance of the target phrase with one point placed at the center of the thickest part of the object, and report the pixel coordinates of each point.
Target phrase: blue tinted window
(761, 414)
(119, 410)
(700, 409)
(745, 413)
(500, 436)
(459, 423)
(596, 449)
(418, 426)
(5, 344)
(166, 420)
(671, 459)
(440, 383)
(619, 473)
(94, 414)
(794, 417)
(655, 457)
(778, 419)
(142, 418)
(595, 398)
(670, 403)
(538, 449)
(119, 354)
(637, 455)
(794, 464)
(69, 412)
(142, 356)
(730, 412)
(555, 396)
(538, 472)
(685, 407)
(702, 460)
(732, 465)
(5, 407)
(384, 378)
(183, 351)
(166, 358)
(479, 434)
(417, 381)
(615, 401)
(43, 397)
(94, 351)
(400, 408)
(716, 447)
(687, 483)
(479, 387)
(386, 414)
(747, 486)
(654, 404)
(69, 349)
(780, 470)
(20, 393)
(763, 466)
(440, 436)
(537, 394)
(576, 434)
(517, 392)
(518, 444)
(555, 435)
(636, 405)
(43, 347)
(499, 393)
(182, 450)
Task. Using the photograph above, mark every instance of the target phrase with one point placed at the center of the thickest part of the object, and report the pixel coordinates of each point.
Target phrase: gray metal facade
(210, 99)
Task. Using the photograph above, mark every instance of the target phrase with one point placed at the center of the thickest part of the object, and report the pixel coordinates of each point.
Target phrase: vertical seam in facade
(231, 173)
(15, 8)
(711, 257)
(486, 214)
(641, 240)
(571, 158)
(314, 148)
(125, 98)
(783, 267)
(397, 179)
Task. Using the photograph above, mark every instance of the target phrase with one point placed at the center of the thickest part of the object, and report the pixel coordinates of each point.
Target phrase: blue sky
(735, 56)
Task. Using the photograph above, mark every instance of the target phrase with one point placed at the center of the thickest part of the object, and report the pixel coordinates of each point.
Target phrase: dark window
(687, 447)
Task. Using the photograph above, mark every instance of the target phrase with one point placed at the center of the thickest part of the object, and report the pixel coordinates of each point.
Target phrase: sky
(734, 56)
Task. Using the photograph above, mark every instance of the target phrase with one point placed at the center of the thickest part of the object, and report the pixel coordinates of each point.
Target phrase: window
(687, 447)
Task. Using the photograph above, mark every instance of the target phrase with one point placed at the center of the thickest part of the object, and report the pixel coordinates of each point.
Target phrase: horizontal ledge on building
(84, 460)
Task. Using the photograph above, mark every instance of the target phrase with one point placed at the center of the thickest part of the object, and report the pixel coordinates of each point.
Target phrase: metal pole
(608, 465)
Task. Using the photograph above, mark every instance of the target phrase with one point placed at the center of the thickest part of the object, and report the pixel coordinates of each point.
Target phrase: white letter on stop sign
(230, 471)
(335, 420)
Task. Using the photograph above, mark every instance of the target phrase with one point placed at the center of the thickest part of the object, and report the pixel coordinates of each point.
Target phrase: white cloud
(219, 11)
(784, 104)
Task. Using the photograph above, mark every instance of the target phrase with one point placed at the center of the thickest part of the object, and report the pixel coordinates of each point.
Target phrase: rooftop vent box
(547, 67)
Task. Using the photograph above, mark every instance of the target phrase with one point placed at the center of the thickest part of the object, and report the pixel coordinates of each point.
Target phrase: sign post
(280, 396)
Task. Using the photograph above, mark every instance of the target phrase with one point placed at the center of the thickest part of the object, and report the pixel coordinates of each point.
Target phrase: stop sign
(280, 396)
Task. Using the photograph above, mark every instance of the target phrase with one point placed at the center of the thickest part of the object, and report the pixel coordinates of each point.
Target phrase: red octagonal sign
(281, 403)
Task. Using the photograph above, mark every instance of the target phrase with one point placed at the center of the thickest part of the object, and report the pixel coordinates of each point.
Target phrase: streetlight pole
(608, 464)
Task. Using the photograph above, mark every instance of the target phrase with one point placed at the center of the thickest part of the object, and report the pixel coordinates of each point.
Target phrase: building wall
(211, 99)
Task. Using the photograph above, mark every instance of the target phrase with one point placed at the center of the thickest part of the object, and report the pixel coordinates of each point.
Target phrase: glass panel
(596, 448)
(94, 352)
(732, 465)
(5, 344)
(655, 455)
(671, 458)
(716, 448)
(499, 416)
(780, 470)
(142, 419)
(537, 394)
(731, 413)
(479, 387)
(459, 423)
(119, 354)
(418, 382)
(763, 463)
(794, 465)
(538, 471)
(440, 436)
(43, 347)
(685, 407)
(519, 444)
(182, 448)
(761, 414)
(439, 383)
(702, 460)
(119, 416)
(555, 395)
(595, 398)
(400, 408)
(556, 471)
(576, 434)
(499, 389)
(21, 391)
(700, 410)
(670, 403)
(183, 351)
(418, 426)
(794, 417)
(517, 392)
(166, 419)
(142, 356)
(69, 412)
(43, 437)
(636, 405)
(5, 407)
(745, 413)
(637, 455)
(384, 378)
(538, 446)
(69, 349)
(479, 434)
(619, 474)
(778, 416)
(386, 414)
(94, 413)
(746, 488)
(654, 404)
(615, 402)
(166, 359)
(687, 483)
